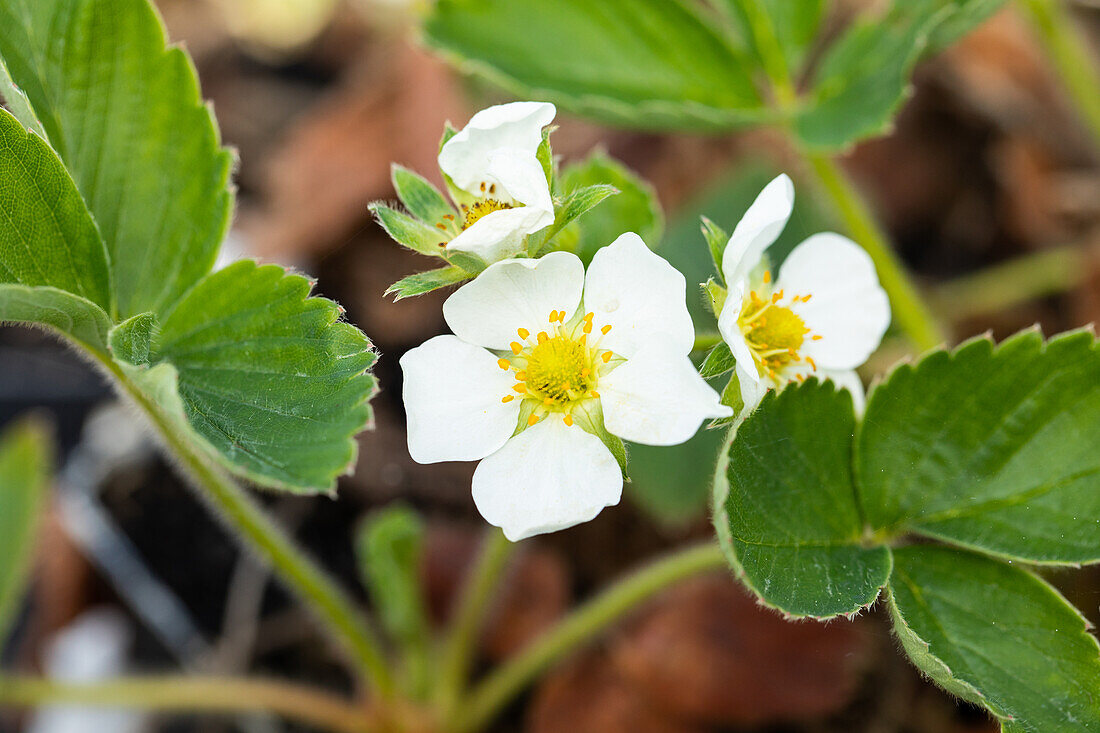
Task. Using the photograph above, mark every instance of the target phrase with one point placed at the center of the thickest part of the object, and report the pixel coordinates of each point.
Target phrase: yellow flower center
(472, 213)
(558, 369)
(774, 333)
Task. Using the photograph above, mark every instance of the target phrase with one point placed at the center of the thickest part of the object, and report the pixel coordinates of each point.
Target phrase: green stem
(301, 575)
(579, 627)
(468, 618)
(1067, 50)
(189, 694)
(1011, 283)
(910, 312)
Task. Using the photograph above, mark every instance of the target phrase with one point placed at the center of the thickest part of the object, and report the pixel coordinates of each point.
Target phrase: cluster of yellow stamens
(774, 332)
(558, 368)
(472, 213)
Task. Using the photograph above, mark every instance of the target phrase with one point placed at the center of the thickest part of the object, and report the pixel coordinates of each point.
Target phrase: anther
(543, 337)
(516, 347)
(547, 401)
(811, 362)
(606, 356)
(483, 186)
(521, 375)
(523, 333)
(767, 276)
(504, 364)
(587, 327)
(553, 316)
(595, 394)
(507, 398)
(585, 372)
(589, 316)
(449, 217)
(532, 420)
(442, 226)
(521, 388)
(816, 337)
(493, 188)
(605, 329)
(568, 420)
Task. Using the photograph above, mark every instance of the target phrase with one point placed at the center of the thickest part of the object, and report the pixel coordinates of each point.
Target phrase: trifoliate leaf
(998, 636)
(990, 447)
(785, 506)
(74, 317)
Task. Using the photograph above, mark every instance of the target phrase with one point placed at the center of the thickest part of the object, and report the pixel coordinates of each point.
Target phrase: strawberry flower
(547, 368)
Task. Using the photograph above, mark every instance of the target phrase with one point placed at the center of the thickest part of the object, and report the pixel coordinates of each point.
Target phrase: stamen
(606, 356)
(532, 420)
(521, 375)
(816, 337)
(811, 362)
(595, 394)
(767, 276)
(605, 329)
(442, 226)
(543, 337)
(568, 420)
(553, 316)
(507, 398)
(521, 388)
(587, 327)
(547, 401)
(493, 188)
(523, 333)
(449, 217)
(483, 186)
(504, 364)
(516, 347)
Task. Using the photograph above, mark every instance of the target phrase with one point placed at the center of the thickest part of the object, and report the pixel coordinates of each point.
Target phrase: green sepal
(715, 299)
(545, 156)
(421, 198)
(574, 204)
(731, 397)
(425, 282)
(716, 242)
(410, 232)
(719, 361)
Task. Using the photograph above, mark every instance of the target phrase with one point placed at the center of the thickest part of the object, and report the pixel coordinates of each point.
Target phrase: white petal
(641, 296)
(657, 398)
(452, 393)
(758, 229)
(465, 157)
(524, 180)
(731, 331)
(847, 379)
(549, 477)
(514, 294)
(500, 234)
(847, 308)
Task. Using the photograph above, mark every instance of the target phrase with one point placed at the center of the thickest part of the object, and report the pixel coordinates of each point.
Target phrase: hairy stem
(579, 627)
(910, 312)
(189, 694)
(468, 618)
(1068, 52)
(299, 573)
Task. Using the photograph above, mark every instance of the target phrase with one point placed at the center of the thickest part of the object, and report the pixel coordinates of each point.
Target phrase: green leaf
(426, 282)
(421, 198)
(638, 63)
(997, 635)
(409, 232)
(634, 209)
(268, 377)
(18, 104)
(864, 76)
(719, 361)
(47, 237)
(785, 506)
(794, 22)
(992, 448)
(717, 239)
(125, 116)
(388, 547)
(132, 340)
(72, 316)
(968, 15)
(26, 458)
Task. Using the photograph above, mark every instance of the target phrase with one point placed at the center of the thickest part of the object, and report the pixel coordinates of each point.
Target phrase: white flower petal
(657, 398)
(452, 393)
(758, 229)
(847, 307)
(731, 330)
(847, 379)
(500, 234)
(524, 180)
(641, 296)
(549, 477)
(753, 386)
(465, 157)
(514, 294)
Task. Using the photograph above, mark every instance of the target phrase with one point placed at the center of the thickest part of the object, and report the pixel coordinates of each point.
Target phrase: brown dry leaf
(590, 695)
(708, 653)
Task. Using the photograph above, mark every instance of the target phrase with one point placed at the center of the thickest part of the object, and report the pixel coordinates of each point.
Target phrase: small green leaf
(719, 361)
(633, 209)
(267, 376)
(26, 459)
(70, 315)
(426, 282)
(639, 63)
(124, 114)
(992, 448)
(864, 76)
(48, 237)
(716, 243)
(409, 232)
(132, 340)
(18, 104)
(388, 548)
(997, 635)
(785, 506)
(421, 198)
